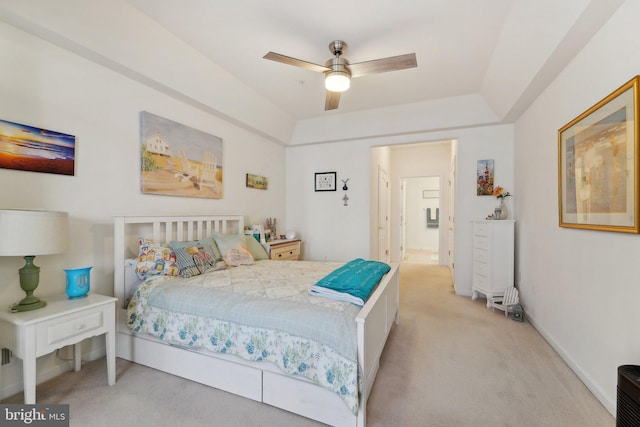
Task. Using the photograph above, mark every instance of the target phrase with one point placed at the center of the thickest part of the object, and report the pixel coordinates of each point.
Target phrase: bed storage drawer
(304, 398)
(222, 371)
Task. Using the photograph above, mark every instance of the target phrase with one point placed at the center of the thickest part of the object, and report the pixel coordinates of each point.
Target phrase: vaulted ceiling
(496, 48)
(484, 61)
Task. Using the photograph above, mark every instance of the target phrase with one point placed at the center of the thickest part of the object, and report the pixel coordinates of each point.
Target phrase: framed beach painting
(598, 165)
(33, 149)
(257, 181)
(177, 160)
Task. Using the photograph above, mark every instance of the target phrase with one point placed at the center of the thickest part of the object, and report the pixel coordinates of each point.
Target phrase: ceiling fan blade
(383, 65)
(332, 100)
(295, 62)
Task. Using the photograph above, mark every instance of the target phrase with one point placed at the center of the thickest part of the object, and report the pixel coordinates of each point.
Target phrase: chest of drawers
(493, 257)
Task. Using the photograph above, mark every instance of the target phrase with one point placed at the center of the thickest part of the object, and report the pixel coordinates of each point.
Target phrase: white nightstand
(62, 322)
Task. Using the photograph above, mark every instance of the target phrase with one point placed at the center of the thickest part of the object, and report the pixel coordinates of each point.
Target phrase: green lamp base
(28, 306)
(29, 279)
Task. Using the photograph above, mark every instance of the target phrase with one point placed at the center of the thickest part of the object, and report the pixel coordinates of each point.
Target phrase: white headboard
(128, 229)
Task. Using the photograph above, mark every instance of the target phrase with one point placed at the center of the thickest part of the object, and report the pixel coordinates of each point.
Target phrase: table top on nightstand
(56, 304)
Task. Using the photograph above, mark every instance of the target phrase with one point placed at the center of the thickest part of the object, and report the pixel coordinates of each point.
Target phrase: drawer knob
(280, 255)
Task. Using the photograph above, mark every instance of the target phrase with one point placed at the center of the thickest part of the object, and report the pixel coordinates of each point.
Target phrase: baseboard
(609, 404)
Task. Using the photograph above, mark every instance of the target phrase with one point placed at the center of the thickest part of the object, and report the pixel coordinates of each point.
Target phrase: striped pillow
(196, 256)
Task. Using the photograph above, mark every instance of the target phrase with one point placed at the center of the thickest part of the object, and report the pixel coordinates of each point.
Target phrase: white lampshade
(337, 81)
(33, 232)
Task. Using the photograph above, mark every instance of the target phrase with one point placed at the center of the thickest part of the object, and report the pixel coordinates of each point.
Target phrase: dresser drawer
(480, 268)
(481, 242)
(73, 327)
(287, 251)
(481, 229)
(481, 282)
(480, 255)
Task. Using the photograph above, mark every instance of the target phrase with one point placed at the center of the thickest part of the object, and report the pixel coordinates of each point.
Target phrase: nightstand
(62, 322)
(282, 250)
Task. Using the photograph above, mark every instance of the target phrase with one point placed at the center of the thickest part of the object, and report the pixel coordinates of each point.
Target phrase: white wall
(340, 233)
(579, 288)
(45, 86)
(329, 230)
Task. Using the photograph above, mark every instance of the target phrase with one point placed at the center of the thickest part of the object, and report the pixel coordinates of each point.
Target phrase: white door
(451, 222)
(383, 216)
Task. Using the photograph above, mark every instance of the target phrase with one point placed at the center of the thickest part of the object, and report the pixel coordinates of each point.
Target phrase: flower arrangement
(500, 193)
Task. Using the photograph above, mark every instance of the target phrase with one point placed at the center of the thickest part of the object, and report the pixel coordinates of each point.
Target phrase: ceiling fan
(338, 72)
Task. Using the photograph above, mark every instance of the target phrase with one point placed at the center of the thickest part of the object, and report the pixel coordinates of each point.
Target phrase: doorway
(422, 224)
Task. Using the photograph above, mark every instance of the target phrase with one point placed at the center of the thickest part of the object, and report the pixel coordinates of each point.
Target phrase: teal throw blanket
(353, 282)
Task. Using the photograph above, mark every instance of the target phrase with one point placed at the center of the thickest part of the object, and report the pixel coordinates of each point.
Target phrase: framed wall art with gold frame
(598, 165)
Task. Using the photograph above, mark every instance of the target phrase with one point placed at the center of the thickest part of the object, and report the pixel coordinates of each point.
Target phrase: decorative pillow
(226, 242)
(195, 256)
(257, 251)
(155, 259)
(238, 256)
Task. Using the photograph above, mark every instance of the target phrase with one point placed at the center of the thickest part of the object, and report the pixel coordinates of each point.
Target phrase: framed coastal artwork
(257, 181)
(598, 165)
(33, 149)
(177, 160)
(484, 181)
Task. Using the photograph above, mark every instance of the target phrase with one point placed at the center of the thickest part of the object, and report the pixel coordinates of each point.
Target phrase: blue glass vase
(78, 282)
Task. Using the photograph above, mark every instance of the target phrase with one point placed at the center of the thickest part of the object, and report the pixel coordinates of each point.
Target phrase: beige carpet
(450, 362)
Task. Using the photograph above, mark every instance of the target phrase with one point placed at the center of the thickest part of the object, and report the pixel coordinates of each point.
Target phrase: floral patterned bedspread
(261, 312)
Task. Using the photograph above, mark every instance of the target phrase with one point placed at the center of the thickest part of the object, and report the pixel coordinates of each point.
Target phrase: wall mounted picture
(177, 160)
(485, 178)
(598, 160)
(257, 181)
(325, 181)
(28, 148)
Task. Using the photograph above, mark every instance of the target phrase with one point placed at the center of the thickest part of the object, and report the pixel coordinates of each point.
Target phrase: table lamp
(29, 233)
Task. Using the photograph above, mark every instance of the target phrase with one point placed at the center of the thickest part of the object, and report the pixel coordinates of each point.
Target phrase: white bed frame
(255, 380)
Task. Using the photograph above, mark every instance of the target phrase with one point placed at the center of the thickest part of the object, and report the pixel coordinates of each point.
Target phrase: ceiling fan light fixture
(337, 81)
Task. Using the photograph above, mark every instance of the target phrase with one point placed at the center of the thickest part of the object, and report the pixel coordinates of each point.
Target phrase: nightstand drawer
(73, 327)
(289, 251)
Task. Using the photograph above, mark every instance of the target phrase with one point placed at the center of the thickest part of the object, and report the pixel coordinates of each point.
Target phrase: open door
(451, 219)
(384, 253)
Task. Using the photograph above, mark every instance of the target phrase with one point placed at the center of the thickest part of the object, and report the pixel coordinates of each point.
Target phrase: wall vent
(5, 356)
(628, 408)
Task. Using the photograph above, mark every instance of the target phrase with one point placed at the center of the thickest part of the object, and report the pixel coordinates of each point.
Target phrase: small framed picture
(257, 181)
(325, 181)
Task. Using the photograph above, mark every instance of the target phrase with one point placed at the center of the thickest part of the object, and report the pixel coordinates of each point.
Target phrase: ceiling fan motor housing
(337, 79)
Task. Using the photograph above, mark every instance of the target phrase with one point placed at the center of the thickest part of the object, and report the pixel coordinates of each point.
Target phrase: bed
(260, 380)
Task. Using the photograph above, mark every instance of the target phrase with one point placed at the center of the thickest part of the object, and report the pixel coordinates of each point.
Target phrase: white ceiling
(480, 62)
(504, 50)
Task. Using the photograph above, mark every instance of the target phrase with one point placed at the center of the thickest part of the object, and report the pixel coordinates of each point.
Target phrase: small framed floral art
(484, 181)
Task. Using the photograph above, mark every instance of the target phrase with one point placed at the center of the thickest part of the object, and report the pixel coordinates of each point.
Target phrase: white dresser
(493, 243)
